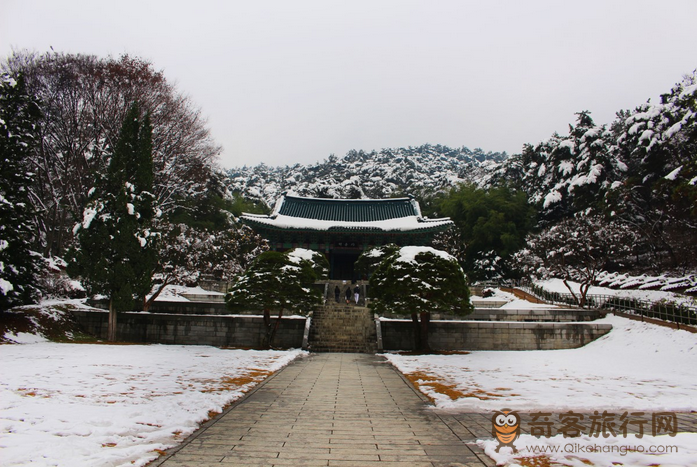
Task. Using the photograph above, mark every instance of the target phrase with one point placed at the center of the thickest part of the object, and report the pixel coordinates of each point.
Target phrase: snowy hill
(389, 172)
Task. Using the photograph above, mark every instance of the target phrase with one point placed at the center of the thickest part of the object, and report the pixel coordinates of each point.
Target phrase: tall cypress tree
(18, 264)
(117, 250)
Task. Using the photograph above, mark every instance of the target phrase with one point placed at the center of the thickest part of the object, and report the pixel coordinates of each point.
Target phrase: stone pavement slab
(329, 409)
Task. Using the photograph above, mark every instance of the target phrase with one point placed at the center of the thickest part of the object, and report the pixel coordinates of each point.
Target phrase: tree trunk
(267, 328)
(425, 320)
(111, 329)
(568, 286)
(584, 293)
(417, 331)
(272, 330)
(148, 301)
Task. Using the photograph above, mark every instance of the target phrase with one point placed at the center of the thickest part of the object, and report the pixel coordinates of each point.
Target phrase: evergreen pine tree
(492, 223)
(18, 263)
(279, 281)
(117, 251)
(416, 281)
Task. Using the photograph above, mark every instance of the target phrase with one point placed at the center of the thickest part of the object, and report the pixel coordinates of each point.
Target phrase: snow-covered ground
(175, 293)
(104, 405)
(637, 366)
(634, 366)
(557, 285)
(110, 405)
(512, 302)
(585, 451)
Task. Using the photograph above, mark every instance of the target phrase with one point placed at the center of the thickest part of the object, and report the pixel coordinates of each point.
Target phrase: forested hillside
(640, 171)
(391, 172)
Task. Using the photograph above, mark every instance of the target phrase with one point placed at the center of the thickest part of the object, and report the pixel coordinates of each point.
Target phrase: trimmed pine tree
(417, 281)
(277, 282)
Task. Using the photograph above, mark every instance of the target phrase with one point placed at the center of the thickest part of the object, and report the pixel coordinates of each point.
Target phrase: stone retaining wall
(179, 308)
(219, 331)
(249, 332)
(534, 314)
(469, 335)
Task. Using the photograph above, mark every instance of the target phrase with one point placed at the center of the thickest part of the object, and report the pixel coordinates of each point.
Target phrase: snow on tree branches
(280, 281)
(84, 100)
(417, 281)
(578, 249)
(18, 263)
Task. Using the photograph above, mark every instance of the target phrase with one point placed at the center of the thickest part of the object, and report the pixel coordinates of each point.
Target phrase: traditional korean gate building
(343, 228)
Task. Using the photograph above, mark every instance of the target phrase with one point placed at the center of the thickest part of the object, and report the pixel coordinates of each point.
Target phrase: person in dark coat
(337, 293)
(348, 295)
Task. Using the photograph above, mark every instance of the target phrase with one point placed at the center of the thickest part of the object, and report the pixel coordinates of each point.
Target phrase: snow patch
(569, 144)
(551, 198)
(5, 286)
(408, 254)
(566, 167)
(301, 254)
(24, 338)
(674, 174)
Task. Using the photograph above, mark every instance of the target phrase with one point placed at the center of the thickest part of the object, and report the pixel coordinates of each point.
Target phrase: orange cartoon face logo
(506, 428)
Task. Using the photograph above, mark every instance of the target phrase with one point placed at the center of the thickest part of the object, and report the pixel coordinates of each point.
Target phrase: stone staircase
(342, 328)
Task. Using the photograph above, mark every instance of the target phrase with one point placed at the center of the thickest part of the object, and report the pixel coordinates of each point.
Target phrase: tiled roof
(348, 210)
(343, 215)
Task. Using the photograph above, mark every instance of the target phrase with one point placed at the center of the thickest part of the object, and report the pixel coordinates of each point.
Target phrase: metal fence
(663, 310)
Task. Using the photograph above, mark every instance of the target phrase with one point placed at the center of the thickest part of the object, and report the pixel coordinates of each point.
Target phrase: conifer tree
(18, 264)
(492, 224)
(117, 250)
(278, 281)
(417, 281)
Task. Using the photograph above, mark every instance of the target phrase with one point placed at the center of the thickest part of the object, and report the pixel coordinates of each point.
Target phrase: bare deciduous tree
(84, 99)
(577, 249)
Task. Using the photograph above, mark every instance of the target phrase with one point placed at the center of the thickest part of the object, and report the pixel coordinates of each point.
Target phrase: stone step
(337, 328)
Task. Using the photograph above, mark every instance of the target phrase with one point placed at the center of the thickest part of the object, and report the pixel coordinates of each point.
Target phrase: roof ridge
(347, 200)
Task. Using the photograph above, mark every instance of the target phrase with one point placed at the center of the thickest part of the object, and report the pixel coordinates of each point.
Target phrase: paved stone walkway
(331, 410)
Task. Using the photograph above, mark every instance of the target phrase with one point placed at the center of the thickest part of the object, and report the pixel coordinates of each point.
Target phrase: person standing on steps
(356, 294)
(337, 293)
(347, 294)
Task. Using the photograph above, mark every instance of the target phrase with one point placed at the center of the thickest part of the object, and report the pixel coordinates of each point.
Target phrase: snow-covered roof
(381, 215)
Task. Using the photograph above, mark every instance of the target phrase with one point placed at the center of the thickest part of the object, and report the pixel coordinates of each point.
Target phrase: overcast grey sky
(295, 81)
